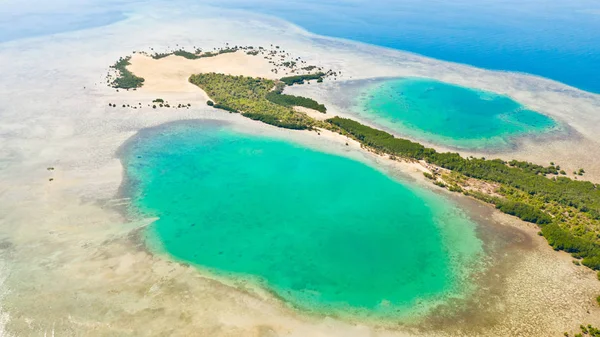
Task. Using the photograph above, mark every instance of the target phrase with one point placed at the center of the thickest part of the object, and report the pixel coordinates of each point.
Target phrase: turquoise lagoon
(325, 233)
(448, 114)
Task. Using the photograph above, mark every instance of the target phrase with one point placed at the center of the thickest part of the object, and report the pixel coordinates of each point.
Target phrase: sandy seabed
(72, 264)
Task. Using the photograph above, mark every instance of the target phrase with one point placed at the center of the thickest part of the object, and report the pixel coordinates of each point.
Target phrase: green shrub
(299, 79)
(158, 56)
(248, 96)
(429, 175)
(291, 101)
(186, 54)
(523, 211)
(125, 79)
(561, 239)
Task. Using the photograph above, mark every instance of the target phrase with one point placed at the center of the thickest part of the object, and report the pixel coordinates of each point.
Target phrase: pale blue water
(28, 25)
(556, 39)
(449, 114)
(323, 232)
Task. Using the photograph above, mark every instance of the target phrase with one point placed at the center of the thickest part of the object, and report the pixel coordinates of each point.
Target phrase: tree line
(248, 96)
(299, 79)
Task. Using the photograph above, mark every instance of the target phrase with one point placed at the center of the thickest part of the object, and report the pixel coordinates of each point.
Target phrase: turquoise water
(449, 114)
(325, 233)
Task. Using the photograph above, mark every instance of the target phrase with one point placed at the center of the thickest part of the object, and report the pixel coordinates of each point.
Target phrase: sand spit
(72, 264)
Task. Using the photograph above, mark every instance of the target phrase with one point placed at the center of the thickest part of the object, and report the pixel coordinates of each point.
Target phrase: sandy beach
(71, 262)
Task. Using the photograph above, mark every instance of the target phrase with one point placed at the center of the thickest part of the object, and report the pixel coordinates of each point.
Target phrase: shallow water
(29, 25)
(323, 232)
(449, 114)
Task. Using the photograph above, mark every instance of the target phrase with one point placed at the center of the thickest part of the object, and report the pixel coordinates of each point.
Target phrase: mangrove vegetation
(248, 96)
(299, 79)
(125, 79)
(568, 211)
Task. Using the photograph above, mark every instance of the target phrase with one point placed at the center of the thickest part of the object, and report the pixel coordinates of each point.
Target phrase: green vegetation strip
(195, 55)
(588, 330)
(567, 210)
(299, 79)
(126, 79)
(248, 96)
(291, 101)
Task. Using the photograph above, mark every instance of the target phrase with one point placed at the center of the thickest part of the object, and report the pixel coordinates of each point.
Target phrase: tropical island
(567, 211)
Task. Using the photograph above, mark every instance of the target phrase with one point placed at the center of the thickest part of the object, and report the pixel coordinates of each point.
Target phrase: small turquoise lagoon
(448, 114)
(324, 233)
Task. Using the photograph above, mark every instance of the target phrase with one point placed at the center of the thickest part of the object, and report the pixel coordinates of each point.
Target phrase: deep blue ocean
(556, 39)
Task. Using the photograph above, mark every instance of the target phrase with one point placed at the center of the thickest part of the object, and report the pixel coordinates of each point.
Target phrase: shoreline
(566, 146)
(67, 227)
